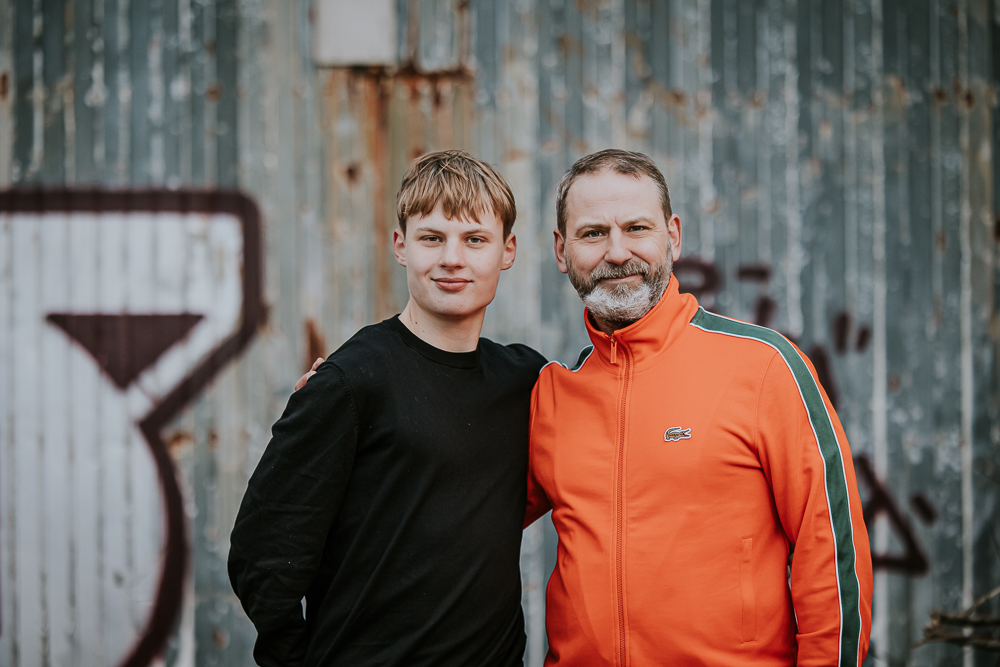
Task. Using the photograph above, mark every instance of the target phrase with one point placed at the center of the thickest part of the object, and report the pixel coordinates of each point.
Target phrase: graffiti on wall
(704, 280)
(118, 309)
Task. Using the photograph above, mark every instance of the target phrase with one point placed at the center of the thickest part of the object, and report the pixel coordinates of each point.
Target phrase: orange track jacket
(684, 460)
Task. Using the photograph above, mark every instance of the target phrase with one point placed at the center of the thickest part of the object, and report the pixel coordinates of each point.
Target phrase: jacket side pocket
(748, 630)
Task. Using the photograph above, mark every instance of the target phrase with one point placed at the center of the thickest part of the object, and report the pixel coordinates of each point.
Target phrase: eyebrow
(477, 229)
(596, 224)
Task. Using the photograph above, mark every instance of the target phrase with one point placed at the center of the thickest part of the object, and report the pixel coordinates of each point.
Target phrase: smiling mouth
(451, 284)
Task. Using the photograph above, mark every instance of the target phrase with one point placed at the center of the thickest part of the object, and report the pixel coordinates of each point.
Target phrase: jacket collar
(645, 340)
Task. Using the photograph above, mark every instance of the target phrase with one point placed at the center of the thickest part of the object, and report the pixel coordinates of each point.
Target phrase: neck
(606, 326)
(458, 334)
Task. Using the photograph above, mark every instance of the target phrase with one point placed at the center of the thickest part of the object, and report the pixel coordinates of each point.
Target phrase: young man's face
(453, 266)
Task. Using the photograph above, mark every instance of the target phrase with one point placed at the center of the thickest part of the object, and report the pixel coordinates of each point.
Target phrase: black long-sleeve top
(391, 498)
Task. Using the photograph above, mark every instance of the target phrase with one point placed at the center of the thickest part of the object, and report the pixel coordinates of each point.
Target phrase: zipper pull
(614, 349)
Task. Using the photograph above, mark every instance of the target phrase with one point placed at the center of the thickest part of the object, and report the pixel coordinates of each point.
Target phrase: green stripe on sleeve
(838, 498)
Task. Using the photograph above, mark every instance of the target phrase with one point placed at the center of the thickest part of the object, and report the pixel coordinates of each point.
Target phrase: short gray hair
(629, 163)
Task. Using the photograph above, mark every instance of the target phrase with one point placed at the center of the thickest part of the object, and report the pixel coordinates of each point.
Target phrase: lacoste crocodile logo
(675, 433)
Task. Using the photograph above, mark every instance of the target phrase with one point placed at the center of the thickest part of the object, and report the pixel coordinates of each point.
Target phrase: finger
(316, 363)
(302, 380)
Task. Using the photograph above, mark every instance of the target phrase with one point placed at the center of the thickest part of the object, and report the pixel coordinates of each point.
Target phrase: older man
(699, 479)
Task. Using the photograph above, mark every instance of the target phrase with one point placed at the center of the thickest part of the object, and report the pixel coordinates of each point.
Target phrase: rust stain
(676, 97)
(968, 99)
(4, 85)
(214, 92)
(568, 46)
(514, 154)
(939, 95)
(825, 131)
(315, 343)
(408, 72)
(378, 130)
(757, 100)
(220, 637)
(352, 172)
(894, 383)
(996, 229)
(941, 242)
(898, 87)
(179, 440)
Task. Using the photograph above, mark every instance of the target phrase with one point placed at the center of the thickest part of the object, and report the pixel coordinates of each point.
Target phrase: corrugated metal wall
(832, 163)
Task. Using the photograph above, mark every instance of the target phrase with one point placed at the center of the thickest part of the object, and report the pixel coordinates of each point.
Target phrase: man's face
(618, 250)
(453, 266)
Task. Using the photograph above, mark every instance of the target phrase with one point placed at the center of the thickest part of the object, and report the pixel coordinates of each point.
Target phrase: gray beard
(622, 305)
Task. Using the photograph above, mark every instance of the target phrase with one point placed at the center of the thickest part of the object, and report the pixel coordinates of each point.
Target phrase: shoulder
(567, 372)
(741, 338)
(782, 361)
(516, 357)
(361, 366)
(369, 346)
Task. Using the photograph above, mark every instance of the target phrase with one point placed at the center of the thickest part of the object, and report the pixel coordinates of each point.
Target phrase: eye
(476, 239)
(592, 233)
(637, 228)
(431, 238)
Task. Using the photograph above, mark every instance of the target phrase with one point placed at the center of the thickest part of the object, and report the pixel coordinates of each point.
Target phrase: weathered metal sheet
(832, 163)
(118, 309)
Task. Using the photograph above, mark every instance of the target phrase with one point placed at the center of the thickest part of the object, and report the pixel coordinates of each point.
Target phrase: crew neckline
(464, 360)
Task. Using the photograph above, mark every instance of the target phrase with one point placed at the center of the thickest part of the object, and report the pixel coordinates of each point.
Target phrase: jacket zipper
(619, 564)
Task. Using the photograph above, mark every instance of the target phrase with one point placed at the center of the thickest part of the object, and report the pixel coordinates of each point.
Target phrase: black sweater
(391, 497)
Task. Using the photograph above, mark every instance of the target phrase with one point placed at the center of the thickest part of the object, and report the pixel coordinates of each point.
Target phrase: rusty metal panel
(100, 354)
(832, 163)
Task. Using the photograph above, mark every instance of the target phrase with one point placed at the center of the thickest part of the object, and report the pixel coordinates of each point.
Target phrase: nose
(617, 251)
(453, 254)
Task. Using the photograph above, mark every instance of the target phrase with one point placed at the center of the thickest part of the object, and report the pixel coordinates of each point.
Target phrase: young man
(684, 459)
(392, 492)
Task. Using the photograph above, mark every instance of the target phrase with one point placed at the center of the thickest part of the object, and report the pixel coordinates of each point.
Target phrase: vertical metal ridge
(880, 381)
(793, 214)
(965, 310)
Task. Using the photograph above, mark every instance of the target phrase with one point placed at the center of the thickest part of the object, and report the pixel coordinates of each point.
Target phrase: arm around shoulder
(291, 501)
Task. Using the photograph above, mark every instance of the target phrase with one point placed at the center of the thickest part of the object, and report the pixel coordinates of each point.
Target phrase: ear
(560, 250)
(674, 230)
(509, 252)
(399, 246)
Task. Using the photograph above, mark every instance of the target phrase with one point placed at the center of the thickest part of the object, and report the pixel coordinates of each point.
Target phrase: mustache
(610, 271)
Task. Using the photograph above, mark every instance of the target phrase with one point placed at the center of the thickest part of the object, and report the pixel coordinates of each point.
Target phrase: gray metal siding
(833, 163)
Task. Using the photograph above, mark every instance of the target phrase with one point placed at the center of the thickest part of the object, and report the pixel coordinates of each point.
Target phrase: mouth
(620, 279)
(451, 284)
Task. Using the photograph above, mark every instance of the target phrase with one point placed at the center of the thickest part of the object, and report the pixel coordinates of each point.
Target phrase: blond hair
(464, 186)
